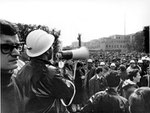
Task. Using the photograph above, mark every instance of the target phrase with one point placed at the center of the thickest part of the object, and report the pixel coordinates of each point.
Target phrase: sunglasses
(8, 48)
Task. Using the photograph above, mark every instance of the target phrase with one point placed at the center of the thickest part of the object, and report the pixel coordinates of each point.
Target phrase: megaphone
(80, 53)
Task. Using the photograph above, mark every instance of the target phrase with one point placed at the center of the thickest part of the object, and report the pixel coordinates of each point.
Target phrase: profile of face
(148, 71)
(112, 67)
(132, 65)
(140, 64)
(9, 51)
(139, 101)
(96, 64)
(90, 64)
(137, 78)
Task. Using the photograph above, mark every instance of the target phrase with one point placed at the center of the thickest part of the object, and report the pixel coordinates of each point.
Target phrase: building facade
(117, 43)
(113, 43)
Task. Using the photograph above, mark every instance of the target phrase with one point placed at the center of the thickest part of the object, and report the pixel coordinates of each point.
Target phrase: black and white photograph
(75, 56)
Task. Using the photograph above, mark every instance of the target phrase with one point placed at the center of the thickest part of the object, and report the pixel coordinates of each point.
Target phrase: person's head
(148, 70)
(10, 45)
(39, 44)
(90, 63)
(139, 100)
(132, 63)
(113, 66)
(105, 69)
(96, 63)
(143, 59)
(113, 78)
(140, 62)
(102, 64)
(134, 75)
(79, 65)
(122, 68)
(148, 60)
(99, 70)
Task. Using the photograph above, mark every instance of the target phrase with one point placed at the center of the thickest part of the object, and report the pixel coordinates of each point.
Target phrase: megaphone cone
(80, 53)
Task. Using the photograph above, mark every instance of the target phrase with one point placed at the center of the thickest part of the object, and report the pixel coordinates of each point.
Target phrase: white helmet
(102, 63)
(143, 58)
(38, 42)
(112, 64)
(148, 58)
(140, 61)
(132, 61)
(90, 60)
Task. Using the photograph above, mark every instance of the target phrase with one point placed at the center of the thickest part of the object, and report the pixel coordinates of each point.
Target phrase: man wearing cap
(89, 74)
(102, 64)
(113, 66)
(97, 82)
(145, 80)
(145, 64)
(89, 64)
(131, 66)
(140, 64)
(10, 50)
(40, 82)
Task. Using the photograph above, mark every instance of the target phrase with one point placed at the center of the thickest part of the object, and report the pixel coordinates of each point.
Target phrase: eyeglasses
(8, 48)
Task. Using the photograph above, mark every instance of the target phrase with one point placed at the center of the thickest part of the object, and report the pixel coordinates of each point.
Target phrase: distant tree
(56, 44)
(138, 42)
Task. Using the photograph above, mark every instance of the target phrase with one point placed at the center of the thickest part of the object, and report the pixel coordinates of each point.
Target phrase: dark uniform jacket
(41, 87)
(107, 101)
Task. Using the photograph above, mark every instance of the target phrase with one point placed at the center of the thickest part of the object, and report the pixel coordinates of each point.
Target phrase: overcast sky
(93, 19)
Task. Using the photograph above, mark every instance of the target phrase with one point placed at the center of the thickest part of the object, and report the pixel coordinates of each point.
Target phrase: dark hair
(122, 67)
(132, 74)
(8, 28)
(139, 100)
(96, 60)
(113, 78)
(79, 64)
(98, 70)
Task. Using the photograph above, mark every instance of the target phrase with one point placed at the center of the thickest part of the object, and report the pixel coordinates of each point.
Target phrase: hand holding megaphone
(80, 53)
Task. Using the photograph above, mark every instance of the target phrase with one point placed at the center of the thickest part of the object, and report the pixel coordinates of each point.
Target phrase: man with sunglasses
(10, 48)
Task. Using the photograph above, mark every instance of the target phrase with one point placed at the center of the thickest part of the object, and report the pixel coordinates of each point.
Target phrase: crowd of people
(32, 83)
